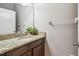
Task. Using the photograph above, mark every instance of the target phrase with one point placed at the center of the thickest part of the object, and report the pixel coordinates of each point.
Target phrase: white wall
(61, 37)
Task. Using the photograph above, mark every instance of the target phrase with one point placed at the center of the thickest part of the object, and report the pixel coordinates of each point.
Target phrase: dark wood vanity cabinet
(35, 48)
(39, 50)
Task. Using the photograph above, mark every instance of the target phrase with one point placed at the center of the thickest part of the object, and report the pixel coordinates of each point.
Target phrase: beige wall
(61, 37)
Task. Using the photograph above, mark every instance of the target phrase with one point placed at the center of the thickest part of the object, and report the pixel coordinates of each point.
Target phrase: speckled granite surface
(12, 43)
(8, 36)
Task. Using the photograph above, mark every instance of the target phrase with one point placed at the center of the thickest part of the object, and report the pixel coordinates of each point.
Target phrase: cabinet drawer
(36, 43)
(17, 52)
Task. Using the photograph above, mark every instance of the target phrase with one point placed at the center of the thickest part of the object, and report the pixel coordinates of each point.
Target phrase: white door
(77, 22)
(7, 21)
(76, 43)
(78, 28)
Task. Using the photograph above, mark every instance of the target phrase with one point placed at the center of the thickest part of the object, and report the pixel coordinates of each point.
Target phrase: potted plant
(32, 30)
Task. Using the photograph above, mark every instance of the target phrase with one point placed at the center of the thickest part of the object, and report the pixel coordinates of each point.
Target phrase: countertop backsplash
(14, 35)
(8, 36)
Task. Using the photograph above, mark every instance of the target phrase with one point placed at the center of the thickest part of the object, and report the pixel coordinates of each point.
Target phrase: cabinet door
(29, 53)
(2, 54)
(17, 52)
(39, 50)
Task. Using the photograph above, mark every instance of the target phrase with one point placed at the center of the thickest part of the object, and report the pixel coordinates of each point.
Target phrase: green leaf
(32, 30)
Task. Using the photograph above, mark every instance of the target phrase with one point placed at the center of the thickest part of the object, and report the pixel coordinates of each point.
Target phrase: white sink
(24, 40)
(8, 43)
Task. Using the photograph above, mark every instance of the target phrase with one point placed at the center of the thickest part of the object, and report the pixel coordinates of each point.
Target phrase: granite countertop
(12, 43)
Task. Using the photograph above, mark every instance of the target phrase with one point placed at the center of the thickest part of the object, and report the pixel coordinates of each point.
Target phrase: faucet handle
(14, 31)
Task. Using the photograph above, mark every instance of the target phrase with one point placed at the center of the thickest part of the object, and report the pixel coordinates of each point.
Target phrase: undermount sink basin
(8, 43)
(12, 42)
(24, 40)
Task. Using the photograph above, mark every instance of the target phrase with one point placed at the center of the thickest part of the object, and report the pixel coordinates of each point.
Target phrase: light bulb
(26, 4)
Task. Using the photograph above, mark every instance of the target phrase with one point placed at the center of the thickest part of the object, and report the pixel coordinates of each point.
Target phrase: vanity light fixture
(26, 4)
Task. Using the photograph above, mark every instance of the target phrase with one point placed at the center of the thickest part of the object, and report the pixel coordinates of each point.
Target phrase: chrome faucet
(20, 32)
(20, 35)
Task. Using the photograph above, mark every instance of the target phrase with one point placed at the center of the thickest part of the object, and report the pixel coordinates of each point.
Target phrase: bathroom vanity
(27, 46)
